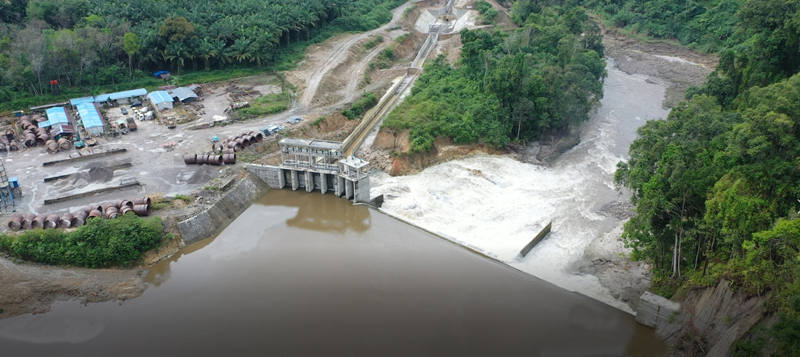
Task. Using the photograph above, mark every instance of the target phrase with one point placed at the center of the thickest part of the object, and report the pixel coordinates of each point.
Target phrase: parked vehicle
(294, 120)
(124, 111)
(171, 123)
(91, 141)
(123, 126)
(137, 103)
(272, 129)
(131, 124)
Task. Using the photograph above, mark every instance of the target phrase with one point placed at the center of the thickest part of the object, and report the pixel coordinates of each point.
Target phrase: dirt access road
(338, 55)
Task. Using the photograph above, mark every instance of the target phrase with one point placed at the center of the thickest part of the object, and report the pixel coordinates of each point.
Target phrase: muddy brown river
(301, 274)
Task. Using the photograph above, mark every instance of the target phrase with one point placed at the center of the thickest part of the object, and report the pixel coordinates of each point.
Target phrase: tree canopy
(539, 79)
(85, 43)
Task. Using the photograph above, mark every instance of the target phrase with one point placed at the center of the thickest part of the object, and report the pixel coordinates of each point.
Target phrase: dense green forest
(717, 184)
(89, 43)
(518, 86)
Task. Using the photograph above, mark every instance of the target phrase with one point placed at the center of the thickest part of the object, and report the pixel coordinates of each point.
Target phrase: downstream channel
(496, 204)
(311, 274)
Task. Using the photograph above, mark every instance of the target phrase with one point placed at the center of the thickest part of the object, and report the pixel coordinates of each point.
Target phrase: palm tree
(242, 50)
(177, 53)
(205, 50)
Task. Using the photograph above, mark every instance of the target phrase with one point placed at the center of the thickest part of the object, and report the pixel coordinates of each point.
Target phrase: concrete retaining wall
(126, 186)
(215, 218)
(85, 157)
(269, 174)
(544, 232)
(655, 311)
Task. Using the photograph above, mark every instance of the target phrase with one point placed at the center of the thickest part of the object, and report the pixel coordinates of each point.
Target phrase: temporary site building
(127, 96)
(91, 118)
(55, 116)
(160, 100)
(184, 94)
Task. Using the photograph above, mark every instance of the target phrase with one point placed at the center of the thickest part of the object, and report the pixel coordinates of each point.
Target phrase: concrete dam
(312, 165)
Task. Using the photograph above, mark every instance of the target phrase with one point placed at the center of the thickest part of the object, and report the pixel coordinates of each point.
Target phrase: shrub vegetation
(97, 244)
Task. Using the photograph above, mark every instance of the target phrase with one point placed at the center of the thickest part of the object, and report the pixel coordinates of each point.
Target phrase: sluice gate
(311, 165)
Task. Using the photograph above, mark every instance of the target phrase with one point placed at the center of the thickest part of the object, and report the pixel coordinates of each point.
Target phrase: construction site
(65, 156)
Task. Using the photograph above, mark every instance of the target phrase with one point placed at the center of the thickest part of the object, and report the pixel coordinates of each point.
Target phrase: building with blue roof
(77, 101)
(55, 116)
(122, 97)
(91, 118)
(160, 100)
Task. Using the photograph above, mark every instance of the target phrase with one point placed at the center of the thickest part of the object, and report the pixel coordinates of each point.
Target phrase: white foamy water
(496, 205)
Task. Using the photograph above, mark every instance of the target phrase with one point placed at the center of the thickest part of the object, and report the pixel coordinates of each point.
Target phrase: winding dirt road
(338, 55)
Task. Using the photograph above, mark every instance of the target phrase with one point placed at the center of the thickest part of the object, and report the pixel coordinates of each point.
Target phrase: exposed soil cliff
(711, 321)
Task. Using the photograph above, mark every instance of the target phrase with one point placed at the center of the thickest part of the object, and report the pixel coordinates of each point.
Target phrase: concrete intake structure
(317, 165)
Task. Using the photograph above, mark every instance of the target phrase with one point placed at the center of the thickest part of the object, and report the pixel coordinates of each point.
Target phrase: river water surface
(301, 274)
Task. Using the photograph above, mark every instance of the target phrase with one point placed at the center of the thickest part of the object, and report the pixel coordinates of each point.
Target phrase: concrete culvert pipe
(111, 212)
(15, 223)
(142, 201)
(110, 206)
(52, 147)
(91, 208)
(95, 214)
(38, 222)
(125, 209)
(51, 221)
(80, 218)
(27, 220)
(141, 210)
(13, 146)
(30, 140)
(66, 220)
(123, 202)
(227, 151)
(190, 159)
(241, 143)
(229, 158)
(215, 160)
(259, 137)
(10, 132)
(64, 144)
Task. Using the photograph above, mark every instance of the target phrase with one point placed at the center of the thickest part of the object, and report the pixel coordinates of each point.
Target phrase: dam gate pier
(313, 164)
